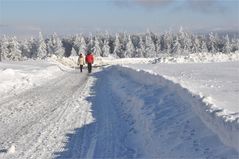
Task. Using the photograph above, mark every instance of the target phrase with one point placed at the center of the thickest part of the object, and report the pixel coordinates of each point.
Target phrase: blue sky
(24, 17)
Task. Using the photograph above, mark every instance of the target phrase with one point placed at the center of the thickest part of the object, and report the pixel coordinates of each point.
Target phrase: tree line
(119, 45)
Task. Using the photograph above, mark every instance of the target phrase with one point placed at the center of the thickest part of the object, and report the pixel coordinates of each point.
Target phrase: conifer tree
(130, 50)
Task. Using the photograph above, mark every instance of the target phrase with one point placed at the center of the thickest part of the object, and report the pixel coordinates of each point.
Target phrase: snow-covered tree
(235, 44)
(187, 47)
(96, 47)
(166, 42)
(140, 49)
(195, 45)
(41, 48)
(14, 50)
(73, 52)
(55, 45)
(79, 44)
(26, 48)
(149, 46)
(158, 45)
(83, 47)
(106, 48)
(204, 47)
(118, 50)
(130, 50)
(90, 44)
(176, 47)
(185, 41)
(4, 48)
(211, 43)
(227, 46)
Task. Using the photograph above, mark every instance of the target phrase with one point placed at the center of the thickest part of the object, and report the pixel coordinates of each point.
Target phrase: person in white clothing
(81, 62)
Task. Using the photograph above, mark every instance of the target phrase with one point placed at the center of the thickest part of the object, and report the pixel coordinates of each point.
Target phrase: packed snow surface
(48, 110)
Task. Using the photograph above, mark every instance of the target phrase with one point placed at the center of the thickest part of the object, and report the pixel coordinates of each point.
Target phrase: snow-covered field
(136, 109)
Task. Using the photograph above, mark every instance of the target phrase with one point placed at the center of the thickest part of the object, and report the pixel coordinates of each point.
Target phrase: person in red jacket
(89, 59)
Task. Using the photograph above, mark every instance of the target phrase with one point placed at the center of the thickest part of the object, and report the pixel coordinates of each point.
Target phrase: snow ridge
(224, 125)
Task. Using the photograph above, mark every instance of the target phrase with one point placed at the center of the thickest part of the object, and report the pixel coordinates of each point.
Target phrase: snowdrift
(226, 127)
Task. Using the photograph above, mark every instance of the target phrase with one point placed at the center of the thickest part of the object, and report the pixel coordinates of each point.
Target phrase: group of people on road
(89, 59)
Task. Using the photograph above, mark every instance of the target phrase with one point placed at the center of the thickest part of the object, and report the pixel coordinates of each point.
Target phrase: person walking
(89, 60)
(81, 62)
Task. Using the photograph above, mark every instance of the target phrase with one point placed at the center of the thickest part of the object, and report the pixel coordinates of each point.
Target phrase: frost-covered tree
(96, 47)
(211, 43)
(130, 50)
(181, 36)
(227, 46)
(166, 42)
(79, 44)
(106, 48)
(204, 47)
(76, 43)
(73, 52)
(14, 50)
(25, 49)
(118, 50)
(83, 47)
(187, 47)
(158, 45)
(195, 45)
(149, 46)
(90, 44)
(55, 45)
(176, 47)
(40, 50)
(4, 48)
(235, 44)
(140, 49)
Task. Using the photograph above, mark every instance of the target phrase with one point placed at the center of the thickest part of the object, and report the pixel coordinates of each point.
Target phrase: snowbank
(223, 123)
(198, 58)
(16, 77)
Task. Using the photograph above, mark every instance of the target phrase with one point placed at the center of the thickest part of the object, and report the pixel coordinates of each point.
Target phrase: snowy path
(108, 114)
(107, 136)
(36, 120)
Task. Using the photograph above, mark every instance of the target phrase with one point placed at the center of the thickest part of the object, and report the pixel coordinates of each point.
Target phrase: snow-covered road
(37, 120)
(113, 113)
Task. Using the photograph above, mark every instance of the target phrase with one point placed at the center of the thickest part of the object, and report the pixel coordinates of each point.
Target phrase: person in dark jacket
(89, 59)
